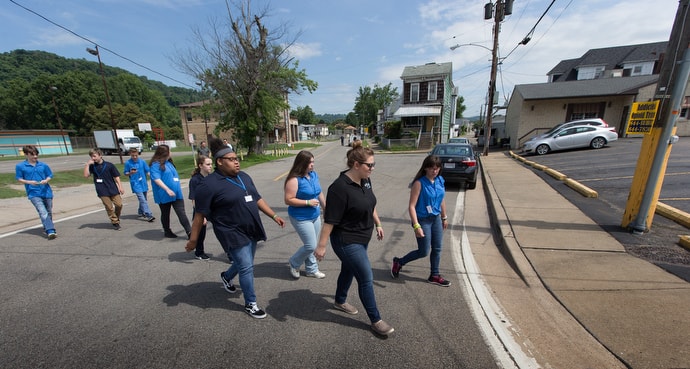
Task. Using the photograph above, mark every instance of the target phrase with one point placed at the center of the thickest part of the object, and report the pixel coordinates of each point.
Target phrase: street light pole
(203, 110)
(52, 90)
(107, 96)
(501, 9)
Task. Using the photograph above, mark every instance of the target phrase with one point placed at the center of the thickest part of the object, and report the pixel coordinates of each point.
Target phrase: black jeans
(178, 206)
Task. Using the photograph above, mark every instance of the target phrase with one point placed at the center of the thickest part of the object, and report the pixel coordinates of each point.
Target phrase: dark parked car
(458, 163)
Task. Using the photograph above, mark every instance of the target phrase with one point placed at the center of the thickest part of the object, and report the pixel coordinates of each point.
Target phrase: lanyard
(240, 184)
(99, 173)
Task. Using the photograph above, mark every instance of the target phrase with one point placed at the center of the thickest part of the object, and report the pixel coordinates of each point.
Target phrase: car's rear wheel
(598, 143)
(471, 185)
(542, 149)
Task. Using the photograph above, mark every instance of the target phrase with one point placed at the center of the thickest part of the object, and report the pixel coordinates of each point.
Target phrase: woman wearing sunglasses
(349, 220)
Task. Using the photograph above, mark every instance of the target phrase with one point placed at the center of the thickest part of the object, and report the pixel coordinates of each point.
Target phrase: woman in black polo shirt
(349, 220)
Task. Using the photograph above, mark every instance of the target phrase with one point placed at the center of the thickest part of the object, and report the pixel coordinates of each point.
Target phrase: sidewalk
(638, 311)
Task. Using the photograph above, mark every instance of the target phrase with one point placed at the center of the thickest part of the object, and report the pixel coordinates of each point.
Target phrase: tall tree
(248, 71)
(304, 115)
(460, 107)
(370, 100)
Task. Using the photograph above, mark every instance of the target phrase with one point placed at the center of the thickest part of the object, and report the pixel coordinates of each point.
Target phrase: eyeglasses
(234, 158)
(370, 165)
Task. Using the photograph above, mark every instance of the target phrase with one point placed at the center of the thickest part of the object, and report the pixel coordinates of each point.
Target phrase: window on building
(585, 111)
(414, 92)
(590, 73)
(433, 87)
(189, 116)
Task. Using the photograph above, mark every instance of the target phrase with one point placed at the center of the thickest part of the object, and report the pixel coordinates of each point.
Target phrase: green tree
(370, 100)
(460, 107)
(304, 115)
(249, 73)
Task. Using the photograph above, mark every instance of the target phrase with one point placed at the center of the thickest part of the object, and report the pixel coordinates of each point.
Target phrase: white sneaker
(294, 272)
(317, 274)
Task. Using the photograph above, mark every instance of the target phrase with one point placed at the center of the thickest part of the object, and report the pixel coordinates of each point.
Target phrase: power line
(99, 46)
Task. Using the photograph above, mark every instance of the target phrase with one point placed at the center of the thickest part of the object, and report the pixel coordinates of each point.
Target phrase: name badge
(428, 209)
(176, 179)
(248, 198)
(99, 180)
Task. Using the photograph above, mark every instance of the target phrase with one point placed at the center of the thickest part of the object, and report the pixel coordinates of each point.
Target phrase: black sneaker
(169, 234)
(438, 280)
(395, 269)
(150, 219)
(116, 226)
(203, 257)
(52, 235)
(254, 311)
(227, 284)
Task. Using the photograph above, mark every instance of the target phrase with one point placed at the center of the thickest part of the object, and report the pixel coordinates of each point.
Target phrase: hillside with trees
(27, 79)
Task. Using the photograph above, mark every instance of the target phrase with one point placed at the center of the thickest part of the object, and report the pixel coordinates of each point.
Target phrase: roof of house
(428, 69)
(611, 58)
(585, 88)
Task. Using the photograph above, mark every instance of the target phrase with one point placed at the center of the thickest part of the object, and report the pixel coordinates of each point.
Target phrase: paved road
(96, 297)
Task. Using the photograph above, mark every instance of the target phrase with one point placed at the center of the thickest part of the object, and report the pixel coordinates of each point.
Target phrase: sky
(344, 45)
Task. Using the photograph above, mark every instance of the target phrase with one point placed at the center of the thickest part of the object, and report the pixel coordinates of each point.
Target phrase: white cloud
(303, 51)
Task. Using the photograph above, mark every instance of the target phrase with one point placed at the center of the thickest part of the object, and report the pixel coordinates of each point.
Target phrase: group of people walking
(229, 199)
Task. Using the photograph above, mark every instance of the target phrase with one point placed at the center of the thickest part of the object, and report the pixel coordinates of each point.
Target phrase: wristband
(379, 225)
(444, 219)
(274, 216)
(416, 226)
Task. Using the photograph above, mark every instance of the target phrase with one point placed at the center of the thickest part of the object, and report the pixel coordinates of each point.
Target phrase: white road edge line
(489, 317)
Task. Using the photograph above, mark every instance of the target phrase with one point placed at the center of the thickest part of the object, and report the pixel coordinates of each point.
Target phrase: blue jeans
(433, 239)
(355, 263)
(44, 206)
(243, 265)
(308, 231)
(143, 208)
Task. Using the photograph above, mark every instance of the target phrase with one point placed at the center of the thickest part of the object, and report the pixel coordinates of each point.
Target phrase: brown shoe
(346, 308)
(382, 328)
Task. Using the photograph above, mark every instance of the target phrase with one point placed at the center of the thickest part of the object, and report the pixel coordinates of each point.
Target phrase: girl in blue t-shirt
(427, 208)
(304, 199)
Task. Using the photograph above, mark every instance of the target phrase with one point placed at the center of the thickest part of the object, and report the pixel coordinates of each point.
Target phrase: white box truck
(105, 140)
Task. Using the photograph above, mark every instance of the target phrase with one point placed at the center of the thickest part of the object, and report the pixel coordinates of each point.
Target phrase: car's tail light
(613, 129)
(470, 162)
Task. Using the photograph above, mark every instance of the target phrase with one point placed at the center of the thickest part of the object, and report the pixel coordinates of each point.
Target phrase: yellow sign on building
(642, 117)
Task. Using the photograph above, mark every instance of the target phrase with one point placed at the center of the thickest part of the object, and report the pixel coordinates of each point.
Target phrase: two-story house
(602, 83)
(427, 102)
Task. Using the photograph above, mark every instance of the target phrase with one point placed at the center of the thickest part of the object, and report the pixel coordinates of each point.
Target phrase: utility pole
(502, 8)
(670, 90)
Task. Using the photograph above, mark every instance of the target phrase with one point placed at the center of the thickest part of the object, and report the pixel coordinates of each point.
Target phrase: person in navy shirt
(109, 189)
(427, 208)
(138, 171)
(229, 199)
(35, 176)
(204, 167)
(167, 190)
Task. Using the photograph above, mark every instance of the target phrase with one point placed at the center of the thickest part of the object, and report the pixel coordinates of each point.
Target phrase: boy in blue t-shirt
(35, 176)
(137, 171)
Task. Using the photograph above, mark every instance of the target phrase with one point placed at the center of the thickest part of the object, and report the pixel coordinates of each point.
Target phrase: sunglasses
(370, 165)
